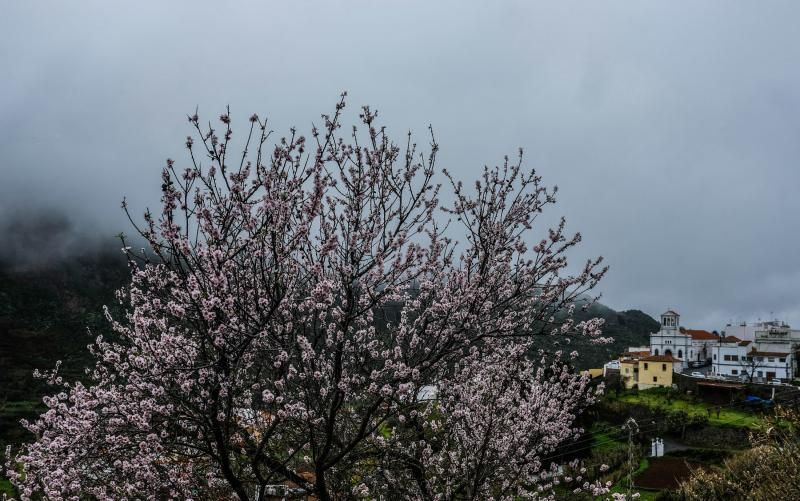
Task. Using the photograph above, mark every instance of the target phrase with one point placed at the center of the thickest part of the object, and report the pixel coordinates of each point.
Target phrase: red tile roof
(731, 339)
(701, 335)
(767, 353)
(745, 343)
(659, 358)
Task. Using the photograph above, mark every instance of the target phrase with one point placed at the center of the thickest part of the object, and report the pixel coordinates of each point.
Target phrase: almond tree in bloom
(294, 300)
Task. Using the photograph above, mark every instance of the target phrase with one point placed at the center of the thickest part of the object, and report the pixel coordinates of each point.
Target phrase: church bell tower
(670, 321)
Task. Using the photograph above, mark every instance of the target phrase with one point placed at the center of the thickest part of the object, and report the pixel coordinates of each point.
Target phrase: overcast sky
(672, 129)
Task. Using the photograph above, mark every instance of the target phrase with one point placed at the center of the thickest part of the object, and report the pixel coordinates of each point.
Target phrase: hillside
(45, 314)
(628, 328)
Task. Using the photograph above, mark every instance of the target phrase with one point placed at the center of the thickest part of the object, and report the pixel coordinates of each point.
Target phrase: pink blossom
(298, 299)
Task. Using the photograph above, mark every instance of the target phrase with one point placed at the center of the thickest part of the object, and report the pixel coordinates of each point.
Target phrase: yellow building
(642, 370)
(655, 370)
(629, 367)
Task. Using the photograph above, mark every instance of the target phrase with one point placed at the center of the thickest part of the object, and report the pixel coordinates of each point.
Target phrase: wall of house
(629, 372)
(733, 360)
(652, 374)
(729, 360)
(778, 340)
(677, 345)
(771, 367)
(742, 331)
(701, 350)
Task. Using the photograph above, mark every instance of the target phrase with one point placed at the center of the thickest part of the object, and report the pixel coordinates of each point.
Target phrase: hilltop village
(765, 352)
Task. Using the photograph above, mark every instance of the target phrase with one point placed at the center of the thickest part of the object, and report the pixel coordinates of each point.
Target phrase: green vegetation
(605, 440)
(6, 489)
(668, 413)
(44, 317)
(668, 401)
(621, 487)
(768, 471)
(628, 328)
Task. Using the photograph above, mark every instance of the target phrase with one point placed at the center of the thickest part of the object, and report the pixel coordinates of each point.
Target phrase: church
(689, 347)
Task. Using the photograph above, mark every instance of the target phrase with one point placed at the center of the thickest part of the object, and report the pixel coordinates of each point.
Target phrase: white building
(749, 332)
(729, 357)
(691, 347)
(777, 336)
(743, 360)
(427, 392)
(742, 330)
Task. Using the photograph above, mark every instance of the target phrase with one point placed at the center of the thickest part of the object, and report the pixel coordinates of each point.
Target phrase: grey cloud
(670, 128)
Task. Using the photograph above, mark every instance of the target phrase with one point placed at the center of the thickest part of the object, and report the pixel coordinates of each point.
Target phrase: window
(715, 356)
(771, 359)
(680, 353)
(760, 359)
(656, 352)
(663, 367)
(627, 370)
(645, 366)
(782, 360)
(734, 372)
(735, 358)
(760, 374)
(727, 357)
(655, 379)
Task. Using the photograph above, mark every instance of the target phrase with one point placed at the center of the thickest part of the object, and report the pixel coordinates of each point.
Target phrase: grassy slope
(727, 416)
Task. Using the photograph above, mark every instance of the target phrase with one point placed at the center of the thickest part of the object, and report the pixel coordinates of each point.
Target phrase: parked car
(698, 374)
(774, 382)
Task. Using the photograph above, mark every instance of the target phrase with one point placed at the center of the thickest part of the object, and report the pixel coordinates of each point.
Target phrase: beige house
(643, 371)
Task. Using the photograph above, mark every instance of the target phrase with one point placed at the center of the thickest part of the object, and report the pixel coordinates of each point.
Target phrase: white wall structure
(613, 365)
(670, 341)
(427, 392)
(745, 361)
(657, 447)
(749, 331)
(692, 347)
(743, 330)
(730, 358)
(777, 336)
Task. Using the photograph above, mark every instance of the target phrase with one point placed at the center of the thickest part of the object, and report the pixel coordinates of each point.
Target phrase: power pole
(632, 428)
